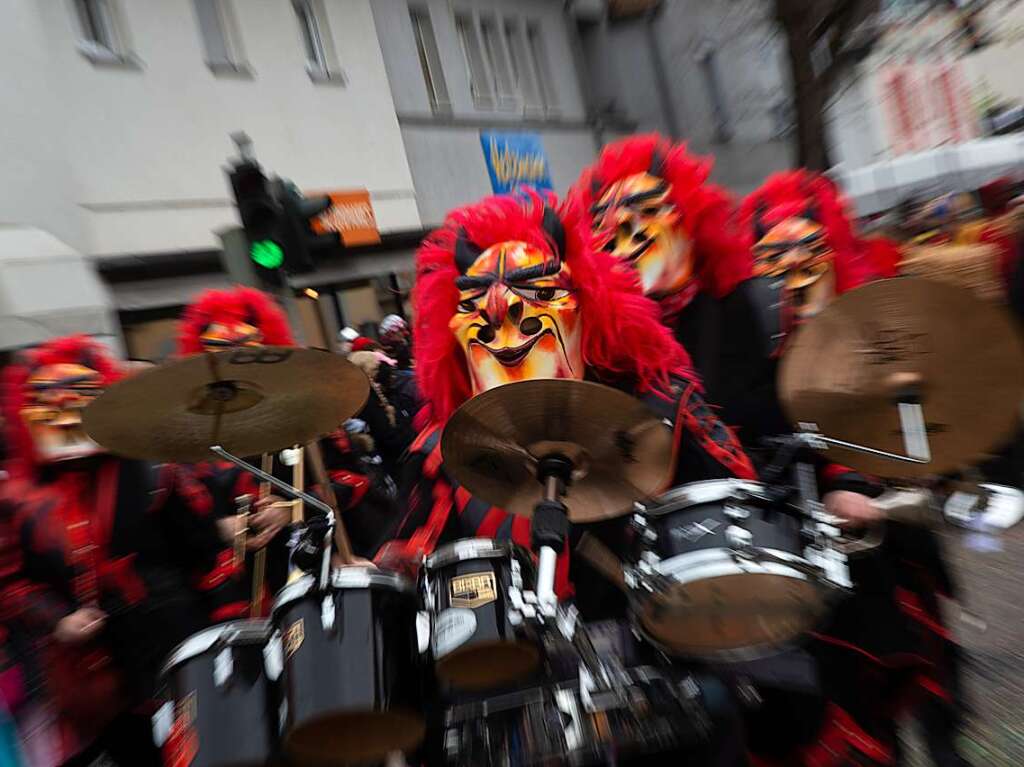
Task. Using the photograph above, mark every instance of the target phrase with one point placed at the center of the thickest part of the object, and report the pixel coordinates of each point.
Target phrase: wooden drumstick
(601, 558)
(341, 539)
(259, 564)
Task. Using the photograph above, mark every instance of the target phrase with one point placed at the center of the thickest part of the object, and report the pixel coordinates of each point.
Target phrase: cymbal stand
(550, 527)
(292, 494)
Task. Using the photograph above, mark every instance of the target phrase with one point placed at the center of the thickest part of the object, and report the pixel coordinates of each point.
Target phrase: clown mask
(796, 251)
(55, 396)
(229, 334)
(636, 221)
(517, 318)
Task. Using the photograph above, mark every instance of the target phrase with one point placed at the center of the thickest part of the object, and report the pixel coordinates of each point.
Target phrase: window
(315, 39)
(540, 66)
(523, 77)
(479, 76)
(220, 36)
(101, 40)
(496, 59)
(430, 60)
(709, 69)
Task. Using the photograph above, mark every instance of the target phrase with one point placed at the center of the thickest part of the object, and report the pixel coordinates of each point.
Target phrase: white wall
(142, 149)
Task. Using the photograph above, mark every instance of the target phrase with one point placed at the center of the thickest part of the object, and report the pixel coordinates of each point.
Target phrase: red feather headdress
(235, 305)
(811, 195)
(622, 336)
(80, 350)
(721, 260)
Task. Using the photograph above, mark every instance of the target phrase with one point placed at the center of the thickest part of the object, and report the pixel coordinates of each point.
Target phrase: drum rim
(348, 577)
(714, 559)
(697, 493)
(466, 549)
(246, 631)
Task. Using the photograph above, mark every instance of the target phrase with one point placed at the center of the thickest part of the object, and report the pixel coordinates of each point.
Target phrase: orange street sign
(350, 215)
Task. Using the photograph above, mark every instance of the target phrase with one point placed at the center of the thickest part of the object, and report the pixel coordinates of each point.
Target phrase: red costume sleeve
(24, 602)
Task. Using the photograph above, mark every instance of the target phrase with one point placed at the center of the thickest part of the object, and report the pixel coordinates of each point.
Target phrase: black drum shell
(679, 516)
(499, 649)
(363, 674)
(235, 724)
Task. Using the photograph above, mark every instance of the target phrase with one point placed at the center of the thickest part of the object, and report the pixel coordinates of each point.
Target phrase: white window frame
(102, 37)
(527, 88)
(317, 43)
(430, 59)
(492, 44)
(230, 59)
(541, 65)
(482, 84)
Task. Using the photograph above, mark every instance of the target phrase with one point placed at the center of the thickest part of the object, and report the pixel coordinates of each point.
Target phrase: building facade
(119, 116)
(461, 68)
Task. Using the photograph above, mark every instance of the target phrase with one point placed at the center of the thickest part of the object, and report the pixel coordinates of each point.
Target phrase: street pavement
(989, 572)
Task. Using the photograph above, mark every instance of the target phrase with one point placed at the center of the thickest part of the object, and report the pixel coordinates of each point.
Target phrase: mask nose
(498, 304)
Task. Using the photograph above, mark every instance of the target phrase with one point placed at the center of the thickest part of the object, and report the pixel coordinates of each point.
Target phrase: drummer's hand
(854, 509)
(271, 517)
(82, 625)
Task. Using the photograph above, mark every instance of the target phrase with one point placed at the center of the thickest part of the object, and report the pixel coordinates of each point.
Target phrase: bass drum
(651, 713)
(720, 573)
(351, 678)
(219, 705)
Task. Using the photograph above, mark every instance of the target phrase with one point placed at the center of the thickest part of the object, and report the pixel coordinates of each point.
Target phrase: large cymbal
(845, 369)
(621, 450)
(249, 401)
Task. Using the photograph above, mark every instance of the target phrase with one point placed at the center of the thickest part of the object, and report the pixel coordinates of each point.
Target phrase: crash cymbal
(621, 451)
(249, 401)
(846, 369)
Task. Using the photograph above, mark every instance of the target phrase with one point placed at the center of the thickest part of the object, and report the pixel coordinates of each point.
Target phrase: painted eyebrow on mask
(533, 272)
(650, 194)
(63, 382)
(468, 282)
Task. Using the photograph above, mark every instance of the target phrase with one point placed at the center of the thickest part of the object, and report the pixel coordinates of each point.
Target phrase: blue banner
(515, 160)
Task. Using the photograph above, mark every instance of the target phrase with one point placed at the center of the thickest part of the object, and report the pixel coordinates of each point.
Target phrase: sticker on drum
(452, 629)
(473, 590)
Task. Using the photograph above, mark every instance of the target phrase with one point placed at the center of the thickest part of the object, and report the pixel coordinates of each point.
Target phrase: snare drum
(219, 705)
(480, 637)
(652, 712)
(721, 574)
(351, 678)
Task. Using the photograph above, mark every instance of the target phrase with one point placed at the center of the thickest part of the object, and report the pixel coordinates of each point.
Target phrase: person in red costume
(509, 289)
(885, 645)
(105, 563)
(219, 320)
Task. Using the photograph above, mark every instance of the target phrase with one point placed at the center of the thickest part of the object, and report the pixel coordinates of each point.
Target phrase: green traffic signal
(267, 254)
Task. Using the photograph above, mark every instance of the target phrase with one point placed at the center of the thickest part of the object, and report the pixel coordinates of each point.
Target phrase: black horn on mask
(466, 252)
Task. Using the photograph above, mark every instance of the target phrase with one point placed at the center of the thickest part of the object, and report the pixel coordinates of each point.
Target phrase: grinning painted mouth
(510, 356)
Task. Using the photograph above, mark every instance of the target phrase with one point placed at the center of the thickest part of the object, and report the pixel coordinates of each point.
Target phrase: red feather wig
(721, 260)
(794, 193)
(78, 349)
(235, 305)
(622, 336)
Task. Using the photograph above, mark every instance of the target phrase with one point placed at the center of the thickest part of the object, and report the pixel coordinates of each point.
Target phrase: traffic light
(263, 220)
(302, 241)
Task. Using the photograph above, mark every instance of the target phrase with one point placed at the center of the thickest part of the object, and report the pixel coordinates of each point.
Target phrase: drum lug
(646, 533)
(832, 563)
(735, 511)
(739, 538)
(327, 613)
(223, 667)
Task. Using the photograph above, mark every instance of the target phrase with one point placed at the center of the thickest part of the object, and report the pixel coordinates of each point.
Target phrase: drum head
(354, 738)
(487, 665)
(732, 616)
